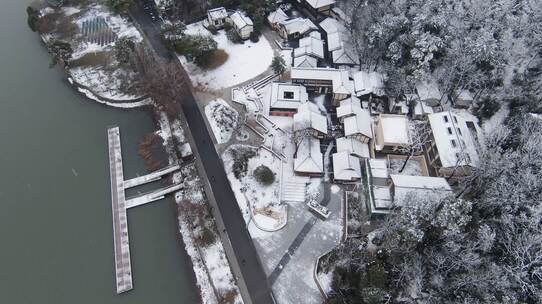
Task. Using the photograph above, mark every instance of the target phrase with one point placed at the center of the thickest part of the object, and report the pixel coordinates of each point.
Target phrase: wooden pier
(123, 267)
(120, 205)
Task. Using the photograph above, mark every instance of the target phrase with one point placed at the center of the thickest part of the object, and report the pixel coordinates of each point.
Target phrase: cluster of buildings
(365, 126)
(241, 23)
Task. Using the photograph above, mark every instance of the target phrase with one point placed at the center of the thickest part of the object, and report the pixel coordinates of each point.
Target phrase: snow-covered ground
(245, 61)
(107, 84)
(122, 27)
(222, 118)
(412, 167)
(261, 202)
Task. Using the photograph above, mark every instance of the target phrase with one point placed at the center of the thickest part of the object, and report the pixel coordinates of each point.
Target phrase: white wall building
(286, 98)
(391, 132)
(217, 17)
(242, 24)
(453, 149)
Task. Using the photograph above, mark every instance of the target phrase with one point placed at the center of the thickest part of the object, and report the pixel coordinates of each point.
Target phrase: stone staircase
(294, 189)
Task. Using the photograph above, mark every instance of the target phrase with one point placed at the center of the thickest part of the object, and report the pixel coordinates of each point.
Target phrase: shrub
(217, 59)
(206, 237)
(254, 36)
(228, 26)
(264, 175)
(233, 36)
(211, 28)
(240, 157)
(33, 18)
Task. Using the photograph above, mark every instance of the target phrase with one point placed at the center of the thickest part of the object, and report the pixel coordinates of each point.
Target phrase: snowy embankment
(214, 276)
(245, 61)
(222, 118)
(98, 75)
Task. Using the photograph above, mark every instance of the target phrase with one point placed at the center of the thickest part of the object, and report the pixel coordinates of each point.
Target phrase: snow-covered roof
(379, 168)
(320, 3)
(421, 108)
(298, 25)
(369, 83)
(382, 198)
(277, 16)
(352, 146)
(331, 25)
(217, 13)
(316, 35)
(346, 167)
(428, 90)
(360, 123)
(343, 56)
(310, 46)
(394, 129)
(419, 182)
(307, 117)
(464, 98)
(288, 96)
(453, 139)
(334, 42)
(309, 158)
(348, 106)
(305, 61)
(240, 20)
(420, 185)
(340, 78)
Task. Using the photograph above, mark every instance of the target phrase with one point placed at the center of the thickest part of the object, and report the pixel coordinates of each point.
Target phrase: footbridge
(120, 205)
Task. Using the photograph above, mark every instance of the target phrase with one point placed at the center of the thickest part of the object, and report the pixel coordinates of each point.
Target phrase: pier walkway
(119, 206)
(151, 177)
(123, 267)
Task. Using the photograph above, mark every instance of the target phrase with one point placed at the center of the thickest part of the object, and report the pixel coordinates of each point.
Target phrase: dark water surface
(55, 212)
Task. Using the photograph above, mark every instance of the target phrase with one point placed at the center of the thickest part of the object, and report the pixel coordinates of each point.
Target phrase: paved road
(243, 247)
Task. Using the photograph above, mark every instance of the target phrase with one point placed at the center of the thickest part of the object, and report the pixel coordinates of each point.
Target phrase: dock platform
(123, 267)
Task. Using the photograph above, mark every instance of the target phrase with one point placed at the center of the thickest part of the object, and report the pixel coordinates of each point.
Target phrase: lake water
(55, 209)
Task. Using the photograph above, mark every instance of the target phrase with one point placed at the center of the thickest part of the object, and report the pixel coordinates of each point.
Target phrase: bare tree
(419, 136)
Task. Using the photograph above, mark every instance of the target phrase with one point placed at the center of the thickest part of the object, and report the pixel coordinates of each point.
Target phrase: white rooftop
(348, 106)
(217, 13)
(277, 16)
(418, 185)
(369, 83)
(453, 139)
(379, 168)
(288, 96)
(353, 147)
(298, 25)
(346, 167)
(340, 78)
(359, 123)
(309, 158)
(310, 46)
(305, 61)
(428, 90)
(344, 56)
(307, 117)
(394, 129)
(240, 20)
(320, 3)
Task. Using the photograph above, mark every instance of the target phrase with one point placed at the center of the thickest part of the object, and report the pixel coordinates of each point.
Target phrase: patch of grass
(217, 59)
(91, 59)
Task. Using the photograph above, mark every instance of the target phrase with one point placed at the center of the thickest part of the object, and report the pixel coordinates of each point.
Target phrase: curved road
(243, 247)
